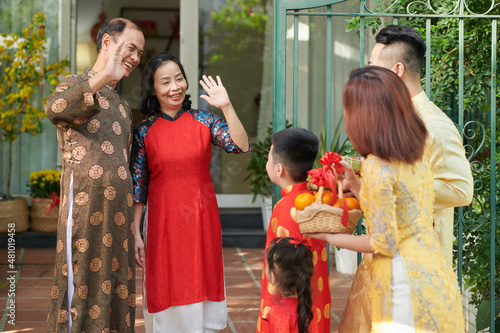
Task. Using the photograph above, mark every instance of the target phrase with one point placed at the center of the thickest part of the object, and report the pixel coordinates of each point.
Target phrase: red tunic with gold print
(284, 224)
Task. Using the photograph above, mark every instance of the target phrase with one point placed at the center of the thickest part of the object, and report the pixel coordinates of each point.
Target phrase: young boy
(292, 154)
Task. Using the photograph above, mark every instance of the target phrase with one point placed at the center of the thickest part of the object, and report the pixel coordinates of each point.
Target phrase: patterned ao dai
(397, 200)
(94, 133)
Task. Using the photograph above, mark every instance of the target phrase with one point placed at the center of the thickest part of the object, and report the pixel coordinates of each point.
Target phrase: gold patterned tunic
(94, 133)
(397, 200)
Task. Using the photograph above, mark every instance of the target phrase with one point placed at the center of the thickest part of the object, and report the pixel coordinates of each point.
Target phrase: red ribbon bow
(297, 242)
(55, 202)
(327, 175)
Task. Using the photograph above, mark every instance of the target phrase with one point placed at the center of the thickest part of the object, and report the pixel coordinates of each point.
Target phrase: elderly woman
(170, 165)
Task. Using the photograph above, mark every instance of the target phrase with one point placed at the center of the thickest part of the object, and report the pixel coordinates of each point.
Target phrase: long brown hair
(380, 118)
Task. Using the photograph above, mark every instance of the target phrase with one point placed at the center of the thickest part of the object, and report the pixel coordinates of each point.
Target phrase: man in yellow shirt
(402, 50)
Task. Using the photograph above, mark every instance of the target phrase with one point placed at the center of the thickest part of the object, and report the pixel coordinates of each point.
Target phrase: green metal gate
(470, 96)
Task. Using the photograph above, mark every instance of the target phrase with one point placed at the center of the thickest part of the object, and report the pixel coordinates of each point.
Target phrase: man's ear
(399, 69)
(106, 41)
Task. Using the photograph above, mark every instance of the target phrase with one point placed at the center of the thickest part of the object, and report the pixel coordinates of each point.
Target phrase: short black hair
(296, 149)
(149, 102)
(114, 28)
(412, 52)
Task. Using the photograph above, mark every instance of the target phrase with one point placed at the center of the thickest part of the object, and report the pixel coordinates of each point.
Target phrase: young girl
(289, 267)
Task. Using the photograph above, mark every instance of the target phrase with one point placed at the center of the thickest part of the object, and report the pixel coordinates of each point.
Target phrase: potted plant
(23, 72)
(44, 189)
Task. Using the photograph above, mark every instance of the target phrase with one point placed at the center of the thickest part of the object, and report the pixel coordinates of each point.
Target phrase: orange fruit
(352, 203)
(327, 197)
(303, 200)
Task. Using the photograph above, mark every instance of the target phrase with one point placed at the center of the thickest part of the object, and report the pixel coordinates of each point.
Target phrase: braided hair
(292, 263)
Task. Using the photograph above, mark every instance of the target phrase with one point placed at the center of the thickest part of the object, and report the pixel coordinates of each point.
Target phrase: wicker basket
(14, 212)
(320, 217)
(41, 221)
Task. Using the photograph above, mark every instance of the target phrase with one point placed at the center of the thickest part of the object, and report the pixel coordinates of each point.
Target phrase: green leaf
(484, 313)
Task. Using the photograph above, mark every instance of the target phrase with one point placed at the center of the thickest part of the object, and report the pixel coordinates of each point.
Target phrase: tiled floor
(243, 269)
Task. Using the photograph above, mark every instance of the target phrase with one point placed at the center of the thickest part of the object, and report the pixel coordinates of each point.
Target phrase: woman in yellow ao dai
(413, 289)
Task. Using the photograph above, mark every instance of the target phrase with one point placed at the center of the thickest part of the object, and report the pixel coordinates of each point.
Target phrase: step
(244, 238)
(241, 218)
(31, 239)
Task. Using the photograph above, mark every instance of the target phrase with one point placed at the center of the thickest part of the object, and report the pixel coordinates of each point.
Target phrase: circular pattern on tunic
(107, 239)
(95, 264)
(83, 292)
(320, 283)
(122, 291)
(127, 319)
(103, 102)
(125, 245)
(125, 154)
(106, 330)
(82, 245)
(60, 127)
(273, 290)
(88, 98)
(59, 105)
(115, 264)
(117, 128)
(69, 131)
(287, 190)
(315, 258)
(265, 312)
(324, 255)
(110, 193)
(107, 147)
(64, 270)
(282, 232)
(119, 218)
(74, 314)
(129, 141)
(94, 312)
(63, 316)
(122, 111)
(93, 126)
(131, 300)
(106, 287)
(130, 200)
(60, 246)
(327, 311)
(132, 227)
(81, 198)
(62, 87)
(96, 218)
(96, 171)
(293, 214)
(318, 313)
(274, 224)
(80, 120)
(64, 200)
(54, 293)
(130, 273)
(79, 153)
(122, 172)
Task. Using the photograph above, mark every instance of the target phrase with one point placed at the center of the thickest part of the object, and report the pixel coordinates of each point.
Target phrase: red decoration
(325, 176)
(55, 202)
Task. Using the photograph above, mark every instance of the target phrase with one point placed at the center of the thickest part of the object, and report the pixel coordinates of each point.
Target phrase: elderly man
(94, 288)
